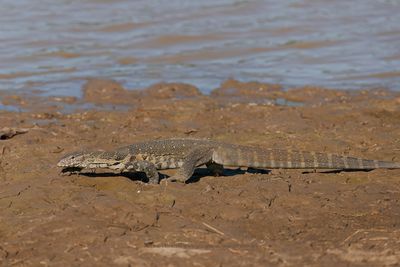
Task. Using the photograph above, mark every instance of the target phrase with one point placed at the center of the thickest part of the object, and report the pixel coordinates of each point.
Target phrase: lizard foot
(67, 173)
(176, 178)
(154, 178)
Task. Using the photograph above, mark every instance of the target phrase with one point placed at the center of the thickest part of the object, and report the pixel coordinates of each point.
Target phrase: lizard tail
(287, 159)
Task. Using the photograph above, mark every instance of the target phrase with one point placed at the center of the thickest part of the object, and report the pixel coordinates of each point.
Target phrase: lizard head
(75, 159)
(93, 160)
(79, 159)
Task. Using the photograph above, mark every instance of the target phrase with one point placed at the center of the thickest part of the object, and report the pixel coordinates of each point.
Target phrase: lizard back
(171, 153)
(167, 153)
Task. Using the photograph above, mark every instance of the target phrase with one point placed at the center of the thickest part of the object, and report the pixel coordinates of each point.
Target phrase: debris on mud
(7, 132)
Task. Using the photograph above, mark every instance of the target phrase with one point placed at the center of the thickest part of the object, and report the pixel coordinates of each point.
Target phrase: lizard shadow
(338, 171)
(198, 174)
(134, 176)
(203, 172)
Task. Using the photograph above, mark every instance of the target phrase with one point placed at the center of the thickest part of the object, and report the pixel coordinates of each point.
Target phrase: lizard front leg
(143, 166)
(196, 157)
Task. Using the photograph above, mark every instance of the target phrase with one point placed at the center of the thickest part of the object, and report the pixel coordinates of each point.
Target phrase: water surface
(55, 46)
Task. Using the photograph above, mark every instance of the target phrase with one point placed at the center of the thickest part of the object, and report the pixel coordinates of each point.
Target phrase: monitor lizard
(187, 154)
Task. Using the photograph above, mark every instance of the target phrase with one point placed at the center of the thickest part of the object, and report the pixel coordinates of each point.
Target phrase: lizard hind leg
(196, 157)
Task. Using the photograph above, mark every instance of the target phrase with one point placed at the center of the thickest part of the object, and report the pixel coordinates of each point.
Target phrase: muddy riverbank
(278, 218)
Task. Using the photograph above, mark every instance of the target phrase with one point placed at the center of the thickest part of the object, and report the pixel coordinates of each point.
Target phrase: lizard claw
(176, 178)
(65, 173)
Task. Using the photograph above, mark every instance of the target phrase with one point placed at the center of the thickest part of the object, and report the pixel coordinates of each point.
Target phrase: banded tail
(287, 159)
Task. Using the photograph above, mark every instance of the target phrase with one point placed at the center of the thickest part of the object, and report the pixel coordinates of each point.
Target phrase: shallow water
(55, 46)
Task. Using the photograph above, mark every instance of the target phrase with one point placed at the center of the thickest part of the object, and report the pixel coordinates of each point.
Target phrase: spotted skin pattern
(188, 154)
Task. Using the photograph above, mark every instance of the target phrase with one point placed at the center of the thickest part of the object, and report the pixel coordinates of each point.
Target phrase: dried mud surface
(255, 218)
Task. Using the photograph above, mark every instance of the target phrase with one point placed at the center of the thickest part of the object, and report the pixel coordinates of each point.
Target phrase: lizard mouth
(71, 169)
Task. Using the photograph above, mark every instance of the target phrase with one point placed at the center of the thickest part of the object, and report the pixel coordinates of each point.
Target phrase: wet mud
(244, 218)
